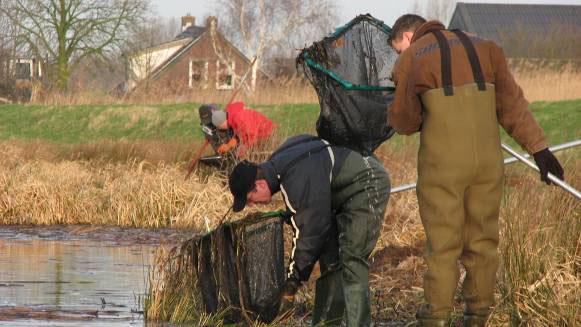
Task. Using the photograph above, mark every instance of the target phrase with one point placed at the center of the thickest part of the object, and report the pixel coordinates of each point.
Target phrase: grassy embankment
(125, 165)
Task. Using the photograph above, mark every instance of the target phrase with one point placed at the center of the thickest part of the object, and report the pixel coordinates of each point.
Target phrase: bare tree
(140, 48)
(152, 31)
(441, 10)
(67, 31)
(259, 27)
(8, 51)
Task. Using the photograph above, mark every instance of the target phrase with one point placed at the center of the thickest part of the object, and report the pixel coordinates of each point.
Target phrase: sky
(386, 10)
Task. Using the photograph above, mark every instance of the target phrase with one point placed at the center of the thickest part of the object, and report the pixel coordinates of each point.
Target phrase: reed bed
(541, 237)
(539, 280)
(540, 275)
(541, 80)
(133, 193)
(291, 90)
(549, 84)
(173, 295)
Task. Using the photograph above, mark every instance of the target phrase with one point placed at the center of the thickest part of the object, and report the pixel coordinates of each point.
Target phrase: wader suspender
(473, 57)
(446, 61)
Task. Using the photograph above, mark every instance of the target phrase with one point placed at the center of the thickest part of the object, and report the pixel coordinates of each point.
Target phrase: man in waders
(455, 89)
(336, 200)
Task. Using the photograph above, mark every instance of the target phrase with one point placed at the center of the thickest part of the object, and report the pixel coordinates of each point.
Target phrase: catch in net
(350, 71)
(239, 268)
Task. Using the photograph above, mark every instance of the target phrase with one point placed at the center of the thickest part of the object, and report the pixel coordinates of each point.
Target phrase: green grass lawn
(81, 124)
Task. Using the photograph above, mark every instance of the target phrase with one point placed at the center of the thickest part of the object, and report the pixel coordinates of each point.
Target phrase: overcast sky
(386, 10)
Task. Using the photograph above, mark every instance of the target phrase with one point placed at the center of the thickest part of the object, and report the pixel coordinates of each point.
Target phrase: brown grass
(541, 80)
(127, 193)
(279, 91)
(539, 281)
(541, 237)
(546, 81)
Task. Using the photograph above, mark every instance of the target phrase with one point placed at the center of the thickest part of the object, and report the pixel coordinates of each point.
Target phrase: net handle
(344, 84)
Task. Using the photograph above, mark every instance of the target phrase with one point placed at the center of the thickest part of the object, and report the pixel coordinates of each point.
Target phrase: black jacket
(302, 168)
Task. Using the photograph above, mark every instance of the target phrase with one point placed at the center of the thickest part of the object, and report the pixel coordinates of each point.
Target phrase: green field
(82, 124)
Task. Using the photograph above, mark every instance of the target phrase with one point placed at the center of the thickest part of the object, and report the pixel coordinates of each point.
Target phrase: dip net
(350, 71)
(239, 268)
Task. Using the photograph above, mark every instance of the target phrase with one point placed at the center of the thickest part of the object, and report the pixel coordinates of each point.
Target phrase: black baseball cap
(241, 181)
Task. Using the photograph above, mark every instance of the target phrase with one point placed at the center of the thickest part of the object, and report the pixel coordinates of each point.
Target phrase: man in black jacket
(336, 201)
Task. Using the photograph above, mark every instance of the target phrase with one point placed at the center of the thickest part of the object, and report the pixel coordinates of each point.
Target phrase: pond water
(76, 276)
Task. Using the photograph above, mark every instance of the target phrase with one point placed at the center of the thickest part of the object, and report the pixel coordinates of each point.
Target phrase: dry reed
(539, 278)
(541, 80)
(132, 193)
(279, 91)
(541, 226)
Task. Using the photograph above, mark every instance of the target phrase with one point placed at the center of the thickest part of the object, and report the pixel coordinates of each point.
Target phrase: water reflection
(64, 283)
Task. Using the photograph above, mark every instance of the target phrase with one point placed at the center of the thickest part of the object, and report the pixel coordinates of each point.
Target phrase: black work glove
(547, 163)
(287, 295)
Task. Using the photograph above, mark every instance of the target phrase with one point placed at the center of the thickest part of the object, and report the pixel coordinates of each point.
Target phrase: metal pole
(556, 148)
(552, 177)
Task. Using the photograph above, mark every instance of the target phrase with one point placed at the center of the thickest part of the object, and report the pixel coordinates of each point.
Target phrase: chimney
(188, 21)
(212, 22)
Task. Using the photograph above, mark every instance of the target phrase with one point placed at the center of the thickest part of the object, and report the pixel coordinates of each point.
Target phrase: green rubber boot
(329, 301)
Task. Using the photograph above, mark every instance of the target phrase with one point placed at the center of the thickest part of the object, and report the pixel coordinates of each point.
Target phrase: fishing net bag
(350, 71)
(240, 268)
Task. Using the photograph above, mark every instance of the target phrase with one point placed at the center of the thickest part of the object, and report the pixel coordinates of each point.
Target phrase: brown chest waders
(460, 174)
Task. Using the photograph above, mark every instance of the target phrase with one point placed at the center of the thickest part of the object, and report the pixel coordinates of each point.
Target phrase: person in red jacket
(249, 126)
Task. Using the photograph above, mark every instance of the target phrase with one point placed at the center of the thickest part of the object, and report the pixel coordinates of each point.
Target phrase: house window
(23, 69)
(198, 74)
(225, 75)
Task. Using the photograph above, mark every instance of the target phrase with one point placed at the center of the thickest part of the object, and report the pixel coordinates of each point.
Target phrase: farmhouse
(17, 76)
(198, 58)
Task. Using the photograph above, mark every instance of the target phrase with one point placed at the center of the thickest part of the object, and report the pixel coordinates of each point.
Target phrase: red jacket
(249, 125)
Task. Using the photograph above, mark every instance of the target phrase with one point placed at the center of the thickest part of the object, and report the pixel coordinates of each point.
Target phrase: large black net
(350, 72)
(240, 268)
